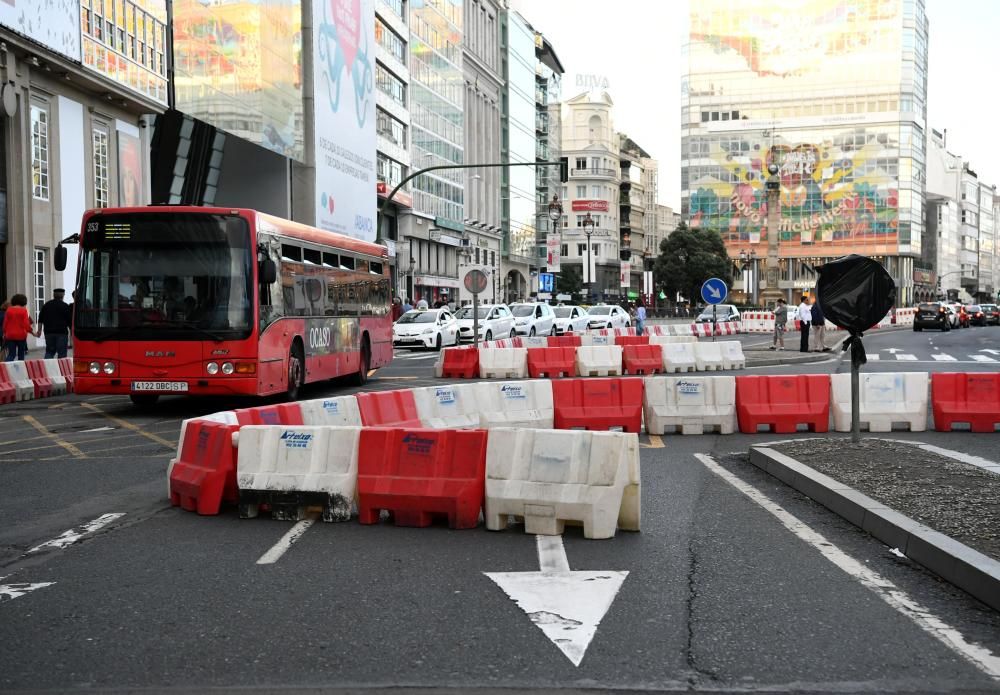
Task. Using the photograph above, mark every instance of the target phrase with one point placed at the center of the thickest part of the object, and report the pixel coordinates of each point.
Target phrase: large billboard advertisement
(343, 71)
(238, 66)
(55, 23)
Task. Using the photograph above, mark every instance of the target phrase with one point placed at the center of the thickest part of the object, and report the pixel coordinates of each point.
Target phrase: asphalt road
(723, 593)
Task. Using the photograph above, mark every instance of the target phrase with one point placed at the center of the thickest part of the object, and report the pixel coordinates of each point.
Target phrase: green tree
(569, 281)
(687, 258)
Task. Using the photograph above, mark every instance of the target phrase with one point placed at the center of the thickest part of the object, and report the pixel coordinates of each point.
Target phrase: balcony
(541, 123)
(591, 172)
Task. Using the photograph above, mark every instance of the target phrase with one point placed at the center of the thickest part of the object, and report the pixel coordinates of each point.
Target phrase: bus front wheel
(144, 400)
(296, 364)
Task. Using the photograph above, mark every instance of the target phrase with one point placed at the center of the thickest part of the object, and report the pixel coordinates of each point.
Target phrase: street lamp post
(588, 229)
(772, 292)
(748, 264)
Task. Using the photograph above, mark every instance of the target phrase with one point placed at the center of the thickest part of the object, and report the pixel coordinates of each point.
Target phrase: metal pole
(590, 278)
(475, 320)
(715, 320)
(855, 402)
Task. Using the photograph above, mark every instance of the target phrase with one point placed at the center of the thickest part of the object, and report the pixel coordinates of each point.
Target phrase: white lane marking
(978, 656)
(282, 546)
(944, 358)
(982, 358)
(552, 554)
(961, 457)
(74, 534)
(907, 358)
(9, 592)
(992, 352)
(97, 429)
(874, 357)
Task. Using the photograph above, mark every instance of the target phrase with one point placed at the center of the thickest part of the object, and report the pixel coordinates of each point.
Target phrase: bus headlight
(212, 368)
(228, 368)
(94, 368)
(109, 368)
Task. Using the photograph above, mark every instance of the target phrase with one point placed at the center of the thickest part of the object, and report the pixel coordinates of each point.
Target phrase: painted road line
(97, 429)
(899, 600)
(944, 358)
(904, 357)
(129, 426)
(655, 442)
(9, 592)
(75, 534)
(982, 358)
(76, 453)
(566, 606)
(873, 357)
(962, 457)
(282, 546)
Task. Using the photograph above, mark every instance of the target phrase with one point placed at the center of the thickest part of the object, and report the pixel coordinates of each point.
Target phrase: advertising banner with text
(553, 255)
(344, 64)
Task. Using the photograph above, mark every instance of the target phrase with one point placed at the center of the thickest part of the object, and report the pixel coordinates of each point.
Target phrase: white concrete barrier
(689, 404)
(54, 375)
(599, 360)
(447, 407)
(552, 477)
(503, 363)
(681, 329)
(341, 411)
(732, 354)
(708, 357)
(534, 342)
(17, 375)
(886, 398)
(588, 339)
(515, 404)
(670, 339)
(679, 357)
(292, 468)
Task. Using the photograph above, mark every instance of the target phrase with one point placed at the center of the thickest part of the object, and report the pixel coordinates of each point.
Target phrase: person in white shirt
(804, 315)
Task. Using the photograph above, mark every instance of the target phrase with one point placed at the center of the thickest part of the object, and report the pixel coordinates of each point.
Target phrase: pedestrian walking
(406, 305)
(397, 309)
(16, 327)
(640, 319)
(422, 304)
(818, 329)
(55, 320)
(780, 323)
(804, 315)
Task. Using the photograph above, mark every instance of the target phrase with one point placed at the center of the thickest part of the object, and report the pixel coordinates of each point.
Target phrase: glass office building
(834, 93)
(518, 137)
(437, 92)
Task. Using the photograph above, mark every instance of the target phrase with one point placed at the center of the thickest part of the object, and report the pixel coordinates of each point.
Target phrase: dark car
(932, 315)
(992, 313)
(977, 317)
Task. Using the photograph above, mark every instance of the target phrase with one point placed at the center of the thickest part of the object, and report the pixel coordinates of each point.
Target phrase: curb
(966, 568)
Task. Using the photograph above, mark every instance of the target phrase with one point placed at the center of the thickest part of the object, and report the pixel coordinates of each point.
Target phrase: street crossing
(935, 355)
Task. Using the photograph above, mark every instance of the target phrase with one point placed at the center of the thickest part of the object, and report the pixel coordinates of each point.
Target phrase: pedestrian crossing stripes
(906, 358)
(944, 358)
(982, 358)
(936, 357)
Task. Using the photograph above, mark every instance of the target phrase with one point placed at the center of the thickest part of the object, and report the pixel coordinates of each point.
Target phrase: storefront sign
(924, 277)
(590, 206)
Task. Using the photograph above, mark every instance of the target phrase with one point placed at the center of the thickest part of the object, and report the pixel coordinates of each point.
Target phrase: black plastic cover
(855, 292)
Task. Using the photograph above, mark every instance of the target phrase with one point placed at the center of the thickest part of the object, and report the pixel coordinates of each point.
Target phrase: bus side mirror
(59, 258)
(268, 272)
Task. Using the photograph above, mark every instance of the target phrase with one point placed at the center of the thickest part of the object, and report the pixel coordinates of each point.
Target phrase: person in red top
(16, 327)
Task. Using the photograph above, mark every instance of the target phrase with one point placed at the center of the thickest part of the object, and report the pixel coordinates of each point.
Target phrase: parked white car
(571, 318)
(533, 318)
(723, 312)
(608, 316)
(495, 322)
(425, 328)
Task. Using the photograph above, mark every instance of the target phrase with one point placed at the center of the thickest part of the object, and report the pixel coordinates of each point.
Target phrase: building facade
(548, 94)
(590, 143)
(836, 98)
(483, 86)
(79, 79)
(434, 228)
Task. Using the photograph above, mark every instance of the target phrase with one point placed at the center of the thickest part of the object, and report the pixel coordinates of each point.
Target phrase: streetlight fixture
(748, 262)
(588, 229)
(556, 209)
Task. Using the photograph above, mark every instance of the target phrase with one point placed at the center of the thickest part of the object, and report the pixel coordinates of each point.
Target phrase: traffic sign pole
(714, 291)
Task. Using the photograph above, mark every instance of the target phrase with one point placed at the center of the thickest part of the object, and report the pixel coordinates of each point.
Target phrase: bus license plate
(159, 386)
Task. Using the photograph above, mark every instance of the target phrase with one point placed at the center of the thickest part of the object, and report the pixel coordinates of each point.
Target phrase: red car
(963, 315)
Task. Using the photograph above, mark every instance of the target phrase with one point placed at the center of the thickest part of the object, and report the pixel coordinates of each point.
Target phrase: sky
(636, 45)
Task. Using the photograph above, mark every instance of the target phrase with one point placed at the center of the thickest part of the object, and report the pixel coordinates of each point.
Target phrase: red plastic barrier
(631, 340)
(205, 472)
(598, 404)
(460, 364)
(642, 359)
(280, 414)
(417, 474)
(551, 362)
(972, 398)
(8, 394)
(783, 402)
(66, 369)
(388, 409)
(39, 377)
(564, 340)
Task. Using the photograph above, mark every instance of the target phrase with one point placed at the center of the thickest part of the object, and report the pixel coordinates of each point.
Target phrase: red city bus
(219, 301)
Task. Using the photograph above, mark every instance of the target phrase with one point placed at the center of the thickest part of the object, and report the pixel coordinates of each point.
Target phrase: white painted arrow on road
(9, 592)
(892, 351)
(567, 606)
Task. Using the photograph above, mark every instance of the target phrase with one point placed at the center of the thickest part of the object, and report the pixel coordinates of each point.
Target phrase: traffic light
(564, 169)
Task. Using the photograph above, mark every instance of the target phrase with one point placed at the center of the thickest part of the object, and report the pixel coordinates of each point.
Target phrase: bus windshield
(164, 276)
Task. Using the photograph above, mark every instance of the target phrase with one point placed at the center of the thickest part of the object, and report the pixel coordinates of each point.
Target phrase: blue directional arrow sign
(714, 291)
